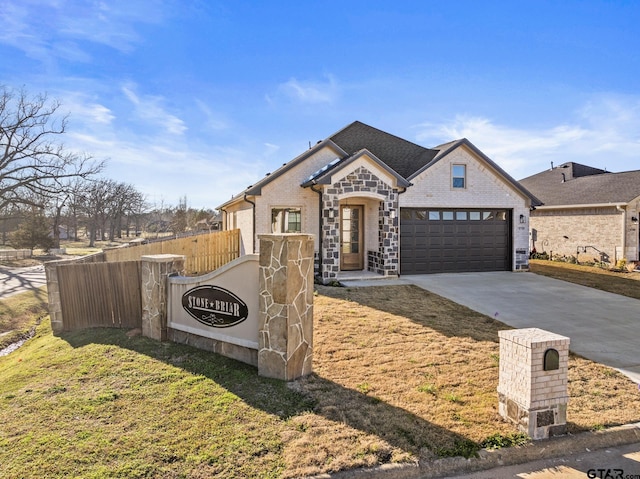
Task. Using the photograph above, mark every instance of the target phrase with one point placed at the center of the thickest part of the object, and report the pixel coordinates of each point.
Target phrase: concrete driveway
(603, 327)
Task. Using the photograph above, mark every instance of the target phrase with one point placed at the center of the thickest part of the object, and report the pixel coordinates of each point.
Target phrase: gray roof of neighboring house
(583, 185)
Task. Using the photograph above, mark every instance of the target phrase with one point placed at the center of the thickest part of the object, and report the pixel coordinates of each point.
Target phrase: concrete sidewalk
(603, 327)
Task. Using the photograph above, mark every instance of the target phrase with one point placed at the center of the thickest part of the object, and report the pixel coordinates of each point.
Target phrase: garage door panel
(467, 240)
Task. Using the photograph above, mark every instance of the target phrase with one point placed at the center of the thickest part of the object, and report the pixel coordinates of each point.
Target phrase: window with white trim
(286, 220)
(459, 176)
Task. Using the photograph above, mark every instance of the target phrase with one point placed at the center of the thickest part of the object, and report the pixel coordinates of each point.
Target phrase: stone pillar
(533, 385)
(155, 271)
(285, 323)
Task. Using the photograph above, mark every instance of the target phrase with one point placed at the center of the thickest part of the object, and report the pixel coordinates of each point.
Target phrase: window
(459, 176)
(286, 220)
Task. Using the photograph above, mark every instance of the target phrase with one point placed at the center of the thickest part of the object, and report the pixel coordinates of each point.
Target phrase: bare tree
(33, 161)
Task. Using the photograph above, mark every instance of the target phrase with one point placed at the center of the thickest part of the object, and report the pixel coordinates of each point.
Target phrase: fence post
(53, 287)
(53, 293)
(285, 322)
(155, 271)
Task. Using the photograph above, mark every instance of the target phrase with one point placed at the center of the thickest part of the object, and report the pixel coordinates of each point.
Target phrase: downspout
(253, 226)
(398, 216)
(320, 238)
(624, 230)
(225, 219)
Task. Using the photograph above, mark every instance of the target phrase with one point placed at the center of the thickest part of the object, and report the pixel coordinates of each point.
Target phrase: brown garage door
(454, 240)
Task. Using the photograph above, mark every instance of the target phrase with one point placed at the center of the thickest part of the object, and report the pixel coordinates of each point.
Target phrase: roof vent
(563, 178)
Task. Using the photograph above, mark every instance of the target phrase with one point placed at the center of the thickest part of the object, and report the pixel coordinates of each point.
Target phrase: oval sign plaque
(214, 306)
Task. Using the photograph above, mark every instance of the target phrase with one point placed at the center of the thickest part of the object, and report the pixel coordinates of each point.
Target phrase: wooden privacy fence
(100, 295)
(204, 253)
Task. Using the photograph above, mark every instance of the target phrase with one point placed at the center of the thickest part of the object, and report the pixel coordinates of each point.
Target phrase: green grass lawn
(100, 404)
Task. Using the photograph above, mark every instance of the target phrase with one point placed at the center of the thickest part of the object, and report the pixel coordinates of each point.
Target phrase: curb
(544, 449)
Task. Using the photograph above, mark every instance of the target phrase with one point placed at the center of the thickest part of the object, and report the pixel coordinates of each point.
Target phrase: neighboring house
(587, 213)
(379, 203)
(213, 223)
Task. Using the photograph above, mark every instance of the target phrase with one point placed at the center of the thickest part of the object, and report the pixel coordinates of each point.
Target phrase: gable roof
(583, 185)
(323, 175)
(447, 148)
(402, 158)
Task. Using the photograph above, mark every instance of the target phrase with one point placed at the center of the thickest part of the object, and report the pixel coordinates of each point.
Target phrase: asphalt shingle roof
(401, 155)
(582, 185)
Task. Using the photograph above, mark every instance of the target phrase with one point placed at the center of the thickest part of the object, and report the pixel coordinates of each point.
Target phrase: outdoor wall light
(522, 219)
(634, 219)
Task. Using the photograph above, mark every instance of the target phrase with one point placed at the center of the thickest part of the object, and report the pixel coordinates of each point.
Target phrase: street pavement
(621, 462)
(18, 280)
(603, 327)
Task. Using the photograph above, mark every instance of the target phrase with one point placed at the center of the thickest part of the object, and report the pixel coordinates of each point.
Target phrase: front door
(351, 238)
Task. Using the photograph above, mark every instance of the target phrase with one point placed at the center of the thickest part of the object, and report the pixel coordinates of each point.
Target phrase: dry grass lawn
(624, 283)
(403, 374)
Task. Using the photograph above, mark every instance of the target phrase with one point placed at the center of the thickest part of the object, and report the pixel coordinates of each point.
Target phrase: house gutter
(253, 226)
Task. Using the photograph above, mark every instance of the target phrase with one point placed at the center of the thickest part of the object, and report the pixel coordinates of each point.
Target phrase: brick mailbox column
(285, 322)
(155, 271)
(532, 388)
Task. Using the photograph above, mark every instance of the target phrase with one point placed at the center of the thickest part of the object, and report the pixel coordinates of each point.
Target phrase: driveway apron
(603, 327)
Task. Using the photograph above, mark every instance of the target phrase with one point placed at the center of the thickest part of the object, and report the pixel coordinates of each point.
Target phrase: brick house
(378, 203)
(588, 213)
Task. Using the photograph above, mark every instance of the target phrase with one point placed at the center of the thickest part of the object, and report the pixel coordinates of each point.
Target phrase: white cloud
(84, 110)
(149, 108)
(310, 91)
(604, 133)
(47, 30)
(214, 121)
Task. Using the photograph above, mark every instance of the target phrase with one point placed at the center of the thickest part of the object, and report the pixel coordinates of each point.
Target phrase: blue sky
(202, 98)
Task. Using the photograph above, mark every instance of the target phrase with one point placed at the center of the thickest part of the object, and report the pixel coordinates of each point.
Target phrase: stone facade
(361, 182)
(531, 397)
(285, 337)
(155, 271)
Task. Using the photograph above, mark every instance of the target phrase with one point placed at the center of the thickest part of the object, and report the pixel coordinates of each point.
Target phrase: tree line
(47, 192)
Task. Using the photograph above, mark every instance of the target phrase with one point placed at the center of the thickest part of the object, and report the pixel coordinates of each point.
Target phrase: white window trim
(465, 177)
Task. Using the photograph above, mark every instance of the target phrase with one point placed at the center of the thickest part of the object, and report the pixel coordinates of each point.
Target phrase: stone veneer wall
(53, 288)
(285, 340)
(155, 271)
(530, 397)
(360, 180)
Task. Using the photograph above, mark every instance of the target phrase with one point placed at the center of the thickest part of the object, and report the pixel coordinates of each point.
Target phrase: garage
(454, 240)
